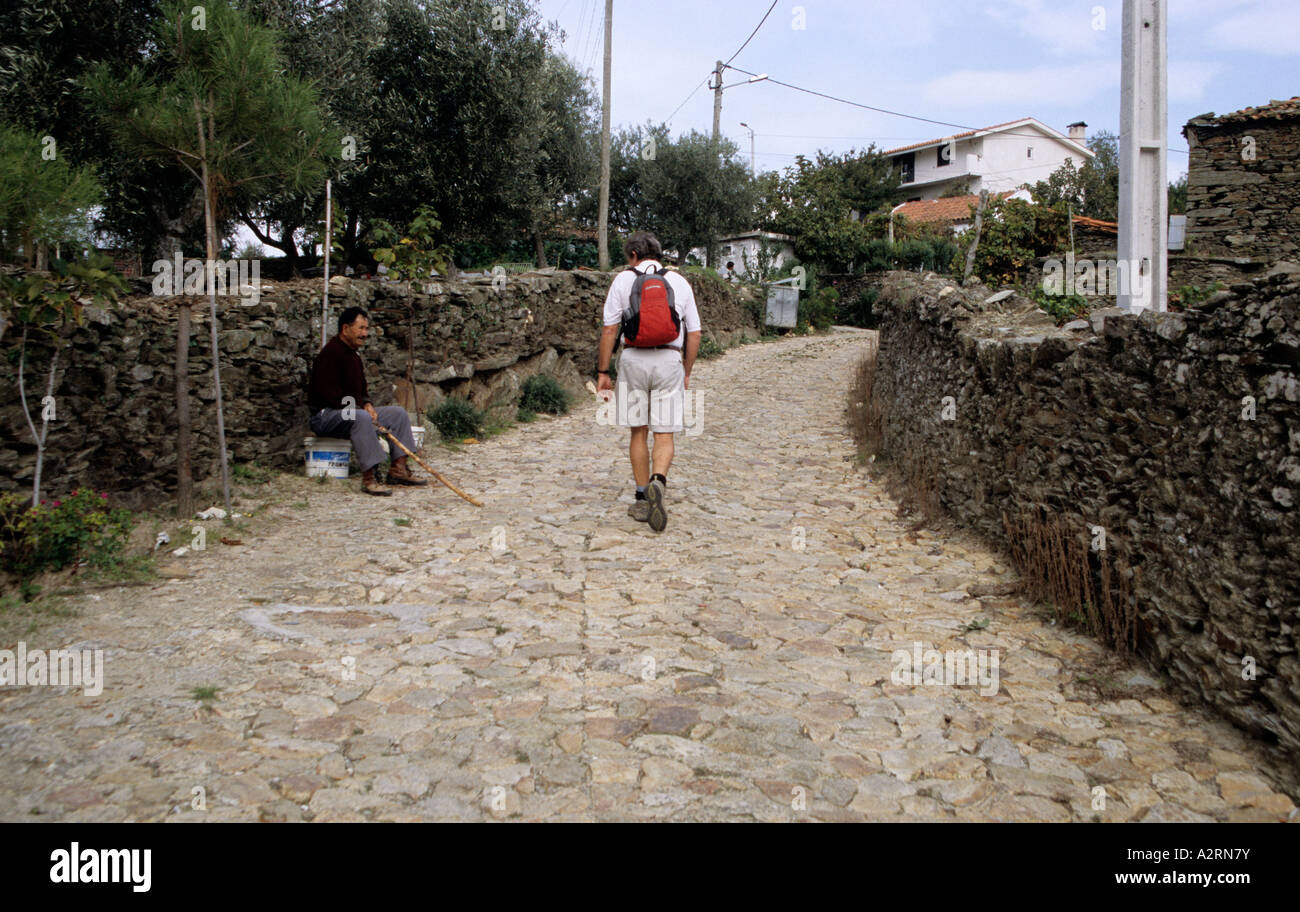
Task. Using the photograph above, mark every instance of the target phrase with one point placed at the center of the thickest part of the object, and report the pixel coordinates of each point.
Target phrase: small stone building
(1243, 183)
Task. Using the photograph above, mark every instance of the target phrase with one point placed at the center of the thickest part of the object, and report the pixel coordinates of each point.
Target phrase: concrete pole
(329, 237)
(602, 243)
(717, 100)
(1143, 181)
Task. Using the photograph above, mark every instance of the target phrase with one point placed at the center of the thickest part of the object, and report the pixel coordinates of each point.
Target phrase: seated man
(336, 390)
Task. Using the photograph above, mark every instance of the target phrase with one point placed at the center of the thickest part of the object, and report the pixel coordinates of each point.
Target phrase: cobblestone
(548, 658)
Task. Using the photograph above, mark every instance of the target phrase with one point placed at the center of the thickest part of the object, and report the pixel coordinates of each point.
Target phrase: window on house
(906, 166)
(726, 250)
(1029, 152)
(945, 155)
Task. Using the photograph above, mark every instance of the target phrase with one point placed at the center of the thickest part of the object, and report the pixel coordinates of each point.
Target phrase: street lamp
(753, 168)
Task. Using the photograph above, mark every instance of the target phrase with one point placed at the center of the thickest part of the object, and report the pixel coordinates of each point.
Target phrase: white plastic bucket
(416, 432)
(327, 456)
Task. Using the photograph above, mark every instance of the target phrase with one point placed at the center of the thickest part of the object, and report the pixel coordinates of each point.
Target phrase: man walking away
(337, 390)
(654, 310)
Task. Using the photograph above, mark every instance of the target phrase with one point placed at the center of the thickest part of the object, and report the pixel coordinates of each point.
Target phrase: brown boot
(399, 473)
(370, 484)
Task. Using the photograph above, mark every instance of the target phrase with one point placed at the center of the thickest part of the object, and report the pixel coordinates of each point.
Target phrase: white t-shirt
(620, 298)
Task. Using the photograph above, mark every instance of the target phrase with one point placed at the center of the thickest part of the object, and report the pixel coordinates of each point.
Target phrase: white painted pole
(1143, 181)
(329, 240)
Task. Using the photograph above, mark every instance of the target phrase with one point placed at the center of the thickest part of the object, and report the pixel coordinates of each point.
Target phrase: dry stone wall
(1176, 435)
(116, 410)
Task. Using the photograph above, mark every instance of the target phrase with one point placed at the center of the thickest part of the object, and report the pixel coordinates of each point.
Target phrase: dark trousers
(364, 436)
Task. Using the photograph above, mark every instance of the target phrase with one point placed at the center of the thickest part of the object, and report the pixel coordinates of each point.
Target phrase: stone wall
(1243, 186)
(116, 410)
(1139, 427)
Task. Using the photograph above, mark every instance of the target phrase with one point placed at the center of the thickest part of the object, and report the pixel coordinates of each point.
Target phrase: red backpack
(651, 318)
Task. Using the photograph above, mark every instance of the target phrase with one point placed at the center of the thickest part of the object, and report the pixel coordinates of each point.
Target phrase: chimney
(1078, 132)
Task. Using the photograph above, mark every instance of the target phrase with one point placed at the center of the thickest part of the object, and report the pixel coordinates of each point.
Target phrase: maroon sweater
(337, 372)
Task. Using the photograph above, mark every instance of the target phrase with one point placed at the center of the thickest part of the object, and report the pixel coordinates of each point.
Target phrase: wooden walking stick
(424, 465)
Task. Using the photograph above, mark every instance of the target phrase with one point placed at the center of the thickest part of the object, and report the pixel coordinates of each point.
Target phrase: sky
(973, 63)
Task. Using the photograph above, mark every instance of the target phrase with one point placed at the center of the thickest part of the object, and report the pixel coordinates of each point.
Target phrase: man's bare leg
(663, 458)
(639, 453)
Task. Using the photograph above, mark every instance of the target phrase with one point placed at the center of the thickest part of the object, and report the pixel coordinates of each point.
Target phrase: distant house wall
(1239, 206)
(994, 162)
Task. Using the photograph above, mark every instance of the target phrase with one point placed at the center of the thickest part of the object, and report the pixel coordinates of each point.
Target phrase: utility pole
(753, 167)
(602, 244)
(1143, 181)
(717, 99)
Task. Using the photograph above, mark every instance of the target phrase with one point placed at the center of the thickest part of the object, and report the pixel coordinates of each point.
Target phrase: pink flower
(104, 495)
(58, 503)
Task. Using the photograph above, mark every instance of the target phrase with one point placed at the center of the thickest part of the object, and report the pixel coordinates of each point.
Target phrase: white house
(743, 249)
(997, 158)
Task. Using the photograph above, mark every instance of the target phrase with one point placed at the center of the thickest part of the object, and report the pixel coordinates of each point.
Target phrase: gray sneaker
(640, 511)
(658, 515)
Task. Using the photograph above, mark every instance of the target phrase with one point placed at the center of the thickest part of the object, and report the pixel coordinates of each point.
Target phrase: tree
(1091, 190)
(689, 191)
(47, 303)
(824, 204)
(228, 114)
(42, 197)
(1178, 196)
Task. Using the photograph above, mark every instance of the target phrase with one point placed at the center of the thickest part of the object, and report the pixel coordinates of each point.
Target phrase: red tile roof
(1274, 110)
(947, 209)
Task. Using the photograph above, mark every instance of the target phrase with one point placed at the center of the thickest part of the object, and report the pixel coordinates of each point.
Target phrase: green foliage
(525, 416)
(1178, 196)
(55, 299)
(692, 191)
(1195, 295)
(217, 98)
(456, 419)
(53, 535)
(820, 309)
(1091, 190)
(814, 201)
(418, 254)
(859, 311)
(932, 254)
(41, 198)
(709, 348)
(250, 473)
(1014, 234)
(543, 393)
(1060, 307)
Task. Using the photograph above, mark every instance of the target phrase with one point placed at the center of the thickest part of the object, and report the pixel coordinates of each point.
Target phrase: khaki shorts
(651, 383)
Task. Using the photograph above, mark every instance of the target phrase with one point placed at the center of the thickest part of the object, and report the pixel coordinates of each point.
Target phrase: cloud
(1189, 79)
(1036, 86)
(1268, 27)
(1064, 32)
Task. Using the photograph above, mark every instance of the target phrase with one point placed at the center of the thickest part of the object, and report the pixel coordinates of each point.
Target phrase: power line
(858, 104)
(705, 81)
(753, 33)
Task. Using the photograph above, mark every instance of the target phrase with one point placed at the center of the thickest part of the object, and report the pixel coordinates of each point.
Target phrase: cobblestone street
(548, 658)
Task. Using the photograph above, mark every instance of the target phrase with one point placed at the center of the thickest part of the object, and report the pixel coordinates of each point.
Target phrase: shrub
(456, 419)
(709, 348)
(53, 535)
(860, 310)
(543, 393)
(820, 310)
(1060, 307)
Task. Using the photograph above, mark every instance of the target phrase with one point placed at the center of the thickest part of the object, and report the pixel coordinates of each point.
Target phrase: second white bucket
(327, 456)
